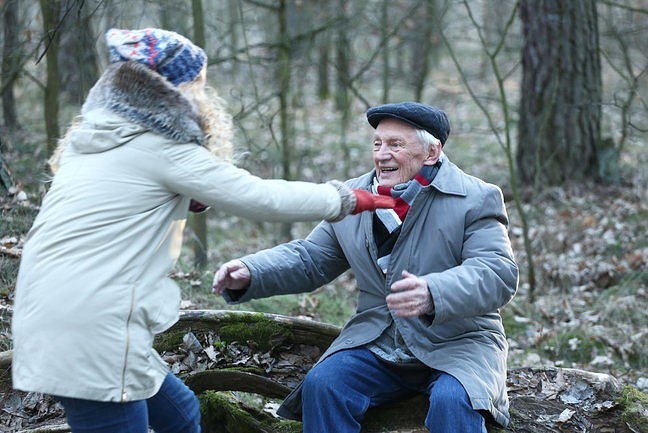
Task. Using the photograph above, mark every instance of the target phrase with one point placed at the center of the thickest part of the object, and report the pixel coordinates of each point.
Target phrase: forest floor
(586, 310)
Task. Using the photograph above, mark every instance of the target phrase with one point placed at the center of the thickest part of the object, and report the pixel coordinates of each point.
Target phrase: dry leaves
(590, 249)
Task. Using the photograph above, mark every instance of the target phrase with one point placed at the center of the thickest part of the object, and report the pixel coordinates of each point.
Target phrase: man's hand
(233, 275)
(410, 297)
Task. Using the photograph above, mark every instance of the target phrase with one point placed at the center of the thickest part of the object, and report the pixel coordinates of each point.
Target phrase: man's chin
(389, 183)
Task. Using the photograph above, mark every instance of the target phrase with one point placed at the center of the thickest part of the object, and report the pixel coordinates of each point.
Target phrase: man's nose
(382, 152)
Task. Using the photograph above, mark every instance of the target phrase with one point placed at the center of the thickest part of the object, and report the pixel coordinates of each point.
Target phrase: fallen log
(221, 354)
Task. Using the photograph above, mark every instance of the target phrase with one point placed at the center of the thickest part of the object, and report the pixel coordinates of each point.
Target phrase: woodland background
(546, 98)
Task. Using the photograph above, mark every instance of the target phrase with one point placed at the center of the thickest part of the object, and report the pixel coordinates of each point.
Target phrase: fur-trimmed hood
(131, 91)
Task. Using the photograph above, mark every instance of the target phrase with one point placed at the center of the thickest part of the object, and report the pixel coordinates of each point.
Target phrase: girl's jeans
(174, 409)
(337, 392)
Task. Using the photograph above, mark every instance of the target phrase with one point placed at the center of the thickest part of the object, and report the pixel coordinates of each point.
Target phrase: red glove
(368, 201)
(197, 207)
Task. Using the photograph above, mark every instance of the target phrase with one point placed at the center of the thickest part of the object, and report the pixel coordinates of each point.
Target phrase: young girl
(93, 286)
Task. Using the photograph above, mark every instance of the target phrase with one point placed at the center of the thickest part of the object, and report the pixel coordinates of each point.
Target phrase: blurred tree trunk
(233, 23)
(384, 31)
(77, 56)
(284, 66)
(422, 46)
(10, 63)
(51, 11)
(323, 60)
(173, 16)
(198, 23)
(198, 221)
(324, 42)
(560, 105)
(344, 52)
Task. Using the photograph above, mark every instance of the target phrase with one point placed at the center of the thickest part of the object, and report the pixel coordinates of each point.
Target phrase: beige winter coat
(93, 286)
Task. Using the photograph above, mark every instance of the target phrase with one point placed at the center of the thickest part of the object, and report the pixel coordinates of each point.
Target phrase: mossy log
(219, 352)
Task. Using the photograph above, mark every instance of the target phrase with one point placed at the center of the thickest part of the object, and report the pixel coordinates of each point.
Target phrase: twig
(11, 252)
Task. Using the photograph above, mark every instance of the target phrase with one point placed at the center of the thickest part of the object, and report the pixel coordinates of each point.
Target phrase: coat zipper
(124, 395)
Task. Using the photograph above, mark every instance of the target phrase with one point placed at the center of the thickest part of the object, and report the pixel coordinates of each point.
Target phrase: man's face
(398, 152)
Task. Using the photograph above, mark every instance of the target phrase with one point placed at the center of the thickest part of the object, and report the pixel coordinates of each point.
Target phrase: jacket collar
(144, 97)
(449, 179)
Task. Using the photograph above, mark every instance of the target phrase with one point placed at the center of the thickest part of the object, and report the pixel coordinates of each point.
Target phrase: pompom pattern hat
(168, 53)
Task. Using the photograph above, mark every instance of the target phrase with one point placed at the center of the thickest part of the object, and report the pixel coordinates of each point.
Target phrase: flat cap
(431, 119)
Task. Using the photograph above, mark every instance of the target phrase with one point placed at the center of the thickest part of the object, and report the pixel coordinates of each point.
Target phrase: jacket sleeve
(294, 267)
(487, 277)
(196, 173)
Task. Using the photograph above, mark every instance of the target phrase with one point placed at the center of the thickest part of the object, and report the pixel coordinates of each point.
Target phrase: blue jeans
(174, 409)
(337, 393)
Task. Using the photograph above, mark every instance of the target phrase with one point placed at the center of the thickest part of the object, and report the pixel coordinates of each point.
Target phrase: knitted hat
(168, 53)
(430, 119)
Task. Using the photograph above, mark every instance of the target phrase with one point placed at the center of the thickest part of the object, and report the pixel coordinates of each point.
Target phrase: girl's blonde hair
(215, 120)
(61, 145)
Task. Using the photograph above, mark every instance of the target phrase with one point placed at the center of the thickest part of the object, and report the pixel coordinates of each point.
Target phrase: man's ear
(433, 154)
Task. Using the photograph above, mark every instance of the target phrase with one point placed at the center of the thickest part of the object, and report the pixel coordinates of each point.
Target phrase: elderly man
(431, 273)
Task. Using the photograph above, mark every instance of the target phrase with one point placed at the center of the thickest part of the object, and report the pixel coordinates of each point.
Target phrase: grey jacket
(93, 286)
(454, 237)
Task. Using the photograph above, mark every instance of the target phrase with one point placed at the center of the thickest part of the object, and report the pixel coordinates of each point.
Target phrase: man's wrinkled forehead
(394, 128)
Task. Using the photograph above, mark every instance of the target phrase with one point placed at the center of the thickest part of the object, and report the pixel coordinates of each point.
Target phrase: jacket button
(348, 341)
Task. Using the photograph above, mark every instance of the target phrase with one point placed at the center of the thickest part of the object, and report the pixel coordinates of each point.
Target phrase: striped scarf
(404, 193)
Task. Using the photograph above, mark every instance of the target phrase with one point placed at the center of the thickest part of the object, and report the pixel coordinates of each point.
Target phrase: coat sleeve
(487, 277)
(194, 172)
(294, 267)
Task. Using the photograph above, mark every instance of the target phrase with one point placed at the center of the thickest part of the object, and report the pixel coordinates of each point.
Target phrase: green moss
(218, 410)
(254, 330)
(257, 371)
(219, 413)
(169, 341)
(288, 427)
(635, 408)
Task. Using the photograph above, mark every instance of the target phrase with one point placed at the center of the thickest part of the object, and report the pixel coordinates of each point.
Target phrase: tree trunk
(323, 82)
(198, 221)
(51, 11)
(560, 106)
(268, 354)
(77, 56)
(344, 53)
(385, 53)
(234, 20)
(422, 44)
(173, 16)
(284, 78)
(10, 63)
(198, 23)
